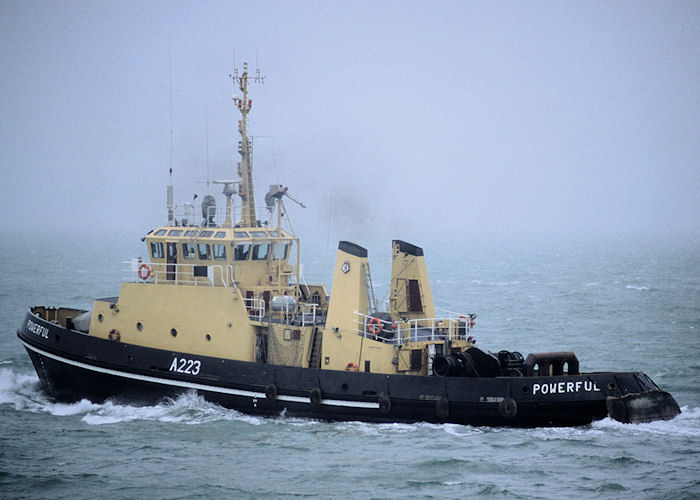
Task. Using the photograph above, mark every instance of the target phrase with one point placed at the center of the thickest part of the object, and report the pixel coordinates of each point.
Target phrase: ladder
(315, 357)
(370, 290)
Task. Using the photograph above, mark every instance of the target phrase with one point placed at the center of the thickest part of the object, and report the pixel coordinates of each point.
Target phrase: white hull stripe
(192, 385)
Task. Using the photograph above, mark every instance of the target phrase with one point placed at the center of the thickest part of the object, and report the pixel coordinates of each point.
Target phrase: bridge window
(206, 234)
(258, 234)
(219, 252)
(157, 250)
(175, 232)
(240, 234)
(260, 251)
(280, 251)
(220, 234)
(203, 250)
(188, 250)
(242, 252)
(160, 232)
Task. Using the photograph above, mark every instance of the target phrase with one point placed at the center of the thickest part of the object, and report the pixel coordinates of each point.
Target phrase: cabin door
(171, 260)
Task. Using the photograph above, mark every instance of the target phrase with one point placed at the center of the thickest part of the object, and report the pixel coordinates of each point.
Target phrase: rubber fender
(442, 408)
(384, 404)
(271, 392)
(508, 408)
(637, 408)
(315, 396)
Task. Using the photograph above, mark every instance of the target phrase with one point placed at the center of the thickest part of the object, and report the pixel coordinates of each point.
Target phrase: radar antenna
(245, 167)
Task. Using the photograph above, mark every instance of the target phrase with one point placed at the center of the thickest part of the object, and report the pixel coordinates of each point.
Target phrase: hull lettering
(565, 387)
(184, 365)
(39, 330)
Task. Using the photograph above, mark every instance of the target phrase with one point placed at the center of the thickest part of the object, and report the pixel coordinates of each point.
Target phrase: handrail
(189, 215)
(183, 274)
(255, 307)
(304, 313)
(416, 330)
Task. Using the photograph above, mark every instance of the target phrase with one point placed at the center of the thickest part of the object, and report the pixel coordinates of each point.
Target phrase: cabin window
(274, 234)
(160, 232)
(316, 298)
(242, 252)
(219, 252)
(188, 250)
(260, 251)
(157, 250)
(240, 234)
(175, 232)
(220, 234)
(203, 251)
(280, 251)
(258, 234)
(190, 232)
(206, 234)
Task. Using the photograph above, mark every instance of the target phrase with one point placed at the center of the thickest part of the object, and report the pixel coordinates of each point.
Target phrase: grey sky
(409, 118)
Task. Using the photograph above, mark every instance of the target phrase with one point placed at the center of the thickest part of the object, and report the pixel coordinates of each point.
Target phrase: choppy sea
(626, 305)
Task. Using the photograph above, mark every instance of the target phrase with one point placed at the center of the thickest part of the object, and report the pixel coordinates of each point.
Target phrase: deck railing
(178, 274)
(452, 326)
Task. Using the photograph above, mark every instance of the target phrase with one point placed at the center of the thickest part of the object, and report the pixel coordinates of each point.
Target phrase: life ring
(352, 366)
(374, 326)
(144, 275)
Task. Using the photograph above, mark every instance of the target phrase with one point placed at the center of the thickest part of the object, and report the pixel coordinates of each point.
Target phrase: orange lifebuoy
(144, 275)
(374, 326)
(352, 365)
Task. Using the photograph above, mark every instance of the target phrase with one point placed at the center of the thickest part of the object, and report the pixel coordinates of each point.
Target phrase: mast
(245, 166)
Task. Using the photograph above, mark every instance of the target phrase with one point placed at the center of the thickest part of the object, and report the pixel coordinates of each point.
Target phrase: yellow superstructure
(234, 291)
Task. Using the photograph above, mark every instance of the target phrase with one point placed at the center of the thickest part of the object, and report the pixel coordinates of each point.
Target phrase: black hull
(73, 366)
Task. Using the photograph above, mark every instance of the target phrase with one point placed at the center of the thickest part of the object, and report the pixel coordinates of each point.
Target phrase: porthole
(526, 389)
(100, 318)
(173, 332)
(208, 336)
(139, 326)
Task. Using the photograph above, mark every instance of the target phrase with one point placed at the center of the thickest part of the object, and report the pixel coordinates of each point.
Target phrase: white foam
(686, 424)
(640, 288)
(23, 392)
(20, 390)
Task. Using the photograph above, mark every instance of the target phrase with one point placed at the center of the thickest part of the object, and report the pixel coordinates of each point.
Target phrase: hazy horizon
(408, 120)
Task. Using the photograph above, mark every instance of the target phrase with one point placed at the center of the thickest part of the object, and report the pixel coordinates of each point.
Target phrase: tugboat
(221, 309)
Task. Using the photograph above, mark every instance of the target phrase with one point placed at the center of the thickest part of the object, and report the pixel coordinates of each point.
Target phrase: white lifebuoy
(144, 271)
